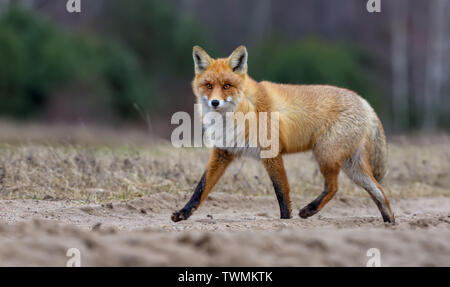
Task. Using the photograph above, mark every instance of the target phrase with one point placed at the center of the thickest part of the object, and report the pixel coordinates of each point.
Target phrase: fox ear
(201, 59)
(238, 60)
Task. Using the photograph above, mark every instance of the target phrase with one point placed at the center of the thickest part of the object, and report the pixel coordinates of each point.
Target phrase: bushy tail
(378, 153)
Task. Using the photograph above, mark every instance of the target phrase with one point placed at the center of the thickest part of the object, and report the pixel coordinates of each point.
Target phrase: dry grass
(237, 226)
(44, 166)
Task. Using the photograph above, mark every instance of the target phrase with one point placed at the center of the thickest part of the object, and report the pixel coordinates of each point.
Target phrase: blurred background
(128, 64)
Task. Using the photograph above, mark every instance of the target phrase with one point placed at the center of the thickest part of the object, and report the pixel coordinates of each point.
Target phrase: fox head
(219, 83)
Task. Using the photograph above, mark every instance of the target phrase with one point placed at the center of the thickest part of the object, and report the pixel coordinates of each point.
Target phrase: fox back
(339, 126)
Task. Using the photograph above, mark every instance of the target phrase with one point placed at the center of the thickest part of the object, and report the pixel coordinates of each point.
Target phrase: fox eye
(226, 86)
(208, 86)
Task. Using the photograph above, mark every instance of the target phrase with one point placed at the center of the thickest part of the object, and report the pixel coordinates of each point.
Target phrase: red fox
(339, 126)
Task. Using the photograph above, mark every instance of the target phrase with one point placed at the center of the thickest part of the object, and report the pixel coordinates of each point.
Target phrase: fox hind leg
(358, 169)
(331, 173)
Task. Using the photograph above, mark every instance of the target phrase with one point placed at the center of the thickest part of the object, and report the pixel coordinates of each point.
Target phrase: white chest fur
(231, 137)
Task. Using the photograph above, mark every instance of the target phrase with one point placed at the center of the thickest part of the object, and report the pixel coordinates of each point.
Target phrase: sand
(62, 189)
(229, 230)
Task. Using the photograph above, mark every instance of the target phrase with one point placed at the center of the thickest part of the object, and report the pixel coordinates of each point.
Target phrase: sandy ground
(229, 230)
(113, 203)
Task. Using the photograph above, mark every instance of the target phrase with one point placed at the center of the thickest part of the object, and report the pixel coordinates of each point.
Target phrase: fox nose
(215, 103)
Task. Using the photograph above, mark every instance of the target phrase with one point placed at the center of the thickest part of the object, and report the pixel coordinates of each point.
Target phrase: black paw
(387, 218)
(180, 215)
(307, 211)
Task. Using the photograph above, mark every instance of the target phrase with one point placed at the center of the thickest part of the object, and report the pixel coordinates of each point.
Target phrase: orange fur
(339, 126)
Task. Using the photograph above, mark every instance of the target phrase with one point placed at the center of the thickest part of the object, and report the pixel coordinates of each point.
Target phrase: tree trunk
(399, 62)
(434, 71)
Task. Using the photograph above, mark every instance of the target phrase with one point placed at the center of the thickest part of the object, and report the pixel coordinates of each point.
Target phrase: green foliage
(38, 59)
(312, 61)
(160, 36)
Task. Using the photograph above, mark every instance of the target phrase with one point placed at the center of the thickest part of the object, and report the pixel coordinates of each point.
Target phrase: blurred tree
(38, 59)
(312, 61)
(161, 37)
(399, 63)
(408, 70)
(435, 59)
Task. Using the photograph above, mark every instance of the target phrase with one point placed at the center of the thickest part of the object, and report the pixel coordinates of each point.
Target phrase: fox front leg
(217, 164)
(193, 203)
(277, 173)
